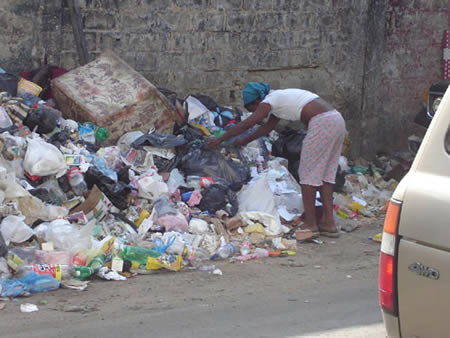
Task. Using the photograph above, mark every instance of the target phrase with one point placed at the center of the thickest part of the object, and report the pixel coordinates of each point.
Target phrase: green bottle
(82, 272)
(97, 262)
(101, 134)
(138, 254)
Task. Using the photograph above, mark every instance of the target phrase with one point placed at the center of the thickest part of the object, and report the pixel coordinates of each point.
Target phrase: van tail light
(387, 287)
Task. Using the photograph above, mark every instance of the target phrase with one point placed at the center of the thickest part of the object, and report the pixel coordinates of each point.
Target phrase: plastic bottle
(245, 248)
(77, 182)
(79, 259)
(57, 271)
(227, 250)
(138, 254)
(82, 272)
(262, 252)
(260, 164)
(97, 262)
(196, 255)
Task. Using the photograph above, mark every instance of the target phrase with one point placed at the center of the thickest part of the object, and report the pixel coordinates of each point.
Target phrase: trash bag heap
(106, 177)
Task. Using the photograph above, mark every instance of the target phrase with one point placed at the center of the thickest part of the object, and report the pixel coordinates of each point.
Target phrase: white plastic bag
(43, 159)
(15, 230)
(196, 109)
(69, 237)
(151, 185)
(198, 226)
(271, 224)
(175, 180)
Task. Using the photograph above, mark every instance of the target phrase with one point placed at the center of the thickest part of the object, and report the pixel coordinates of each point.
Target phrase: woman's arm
(259, 115)
(261, 131)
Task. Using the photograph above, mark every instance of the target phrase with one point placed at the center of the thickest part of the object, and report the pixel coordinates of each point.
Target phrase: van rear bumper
(392, 325)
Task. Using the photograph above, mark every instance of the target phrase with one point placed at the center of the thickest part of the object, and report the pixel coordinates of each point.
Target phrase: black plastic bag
(3, 247)
(207, 101)
(159, 141)
(196, 160)
(117, 192)
(189, 133)
(216, 197)
(289, 144)
(43, 118)
(60, 138)
(8, 83)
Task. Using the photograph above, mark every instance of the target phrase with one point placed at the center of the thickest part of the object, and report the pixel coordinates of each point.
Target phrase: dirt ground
(129, 307)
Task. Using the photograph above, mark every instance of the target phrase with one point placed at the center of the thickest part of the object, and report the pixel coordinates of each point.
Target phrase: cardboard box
(96, 205)
(111, 94)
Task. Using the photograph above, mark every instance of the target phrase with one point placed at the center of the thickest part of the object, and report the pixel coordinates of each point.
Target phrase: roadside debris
(109, 178)
(28, 307)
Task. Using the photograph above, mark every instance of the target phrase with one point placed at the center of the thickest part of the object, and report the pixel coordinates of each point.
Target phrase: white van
(414, 272)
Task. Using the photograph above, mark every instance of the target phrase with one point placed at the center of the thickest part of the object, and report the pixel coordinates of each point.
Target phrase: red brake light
(386, 283)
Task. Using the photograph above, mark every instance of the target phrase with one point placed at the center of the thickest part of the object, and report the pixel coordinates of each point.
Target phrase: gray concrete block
(208, 22)
(257, 5)
(229, 5)
(193, 41)
(241, 22)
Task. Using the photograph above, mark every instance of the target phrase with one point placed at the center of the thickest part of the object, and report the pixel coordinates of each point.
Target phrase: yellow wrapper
(168, 262)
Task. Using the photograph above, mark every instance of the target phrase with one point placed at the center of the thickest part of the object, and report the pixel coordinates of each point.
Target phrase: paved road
(327, 291)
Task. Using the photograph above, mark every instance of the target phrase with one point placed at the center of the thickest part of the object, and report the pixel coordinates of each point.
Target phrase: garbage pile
(87, 199)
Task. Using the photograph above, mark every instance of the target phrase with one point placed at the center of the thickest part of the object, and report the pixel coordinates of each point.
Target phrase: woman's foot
(328, 230)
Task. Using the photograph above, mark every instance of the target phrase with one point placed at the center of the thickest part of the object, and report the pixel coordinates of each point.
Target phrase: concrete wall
(369, 58)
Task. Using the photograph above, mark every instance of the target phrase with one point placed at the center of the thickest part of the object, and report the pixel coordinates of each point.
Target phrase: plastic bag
(289, 146)
(196, 109)
(175, 222)
(271, 224)
(177, 243)
(257, 196)
(43, 159)
(12, 288)
(216, 197)
(68, 237)
(3, 246)
(14, 229)
(159, 141)
(175, 180)
(4, 269)
(198, 226)
(13, 148)
(117, 192)
(196, 160)
(44, 118)
(39, 283)
(168, 262)
(5, 120)
(151, 185)
(162, 206)
(8, 83)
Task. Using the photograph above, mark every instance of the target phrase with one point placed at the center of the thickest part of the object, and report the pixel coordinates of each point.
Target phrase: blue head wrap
(255, 90)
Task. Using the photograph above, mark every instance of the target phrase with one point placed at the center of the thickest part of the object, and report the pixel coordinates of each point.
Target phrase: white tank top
(287, 104)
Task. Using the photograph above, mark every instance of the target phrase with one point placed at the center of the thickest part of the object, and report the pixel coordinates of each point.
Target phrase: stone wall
(369, 58)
